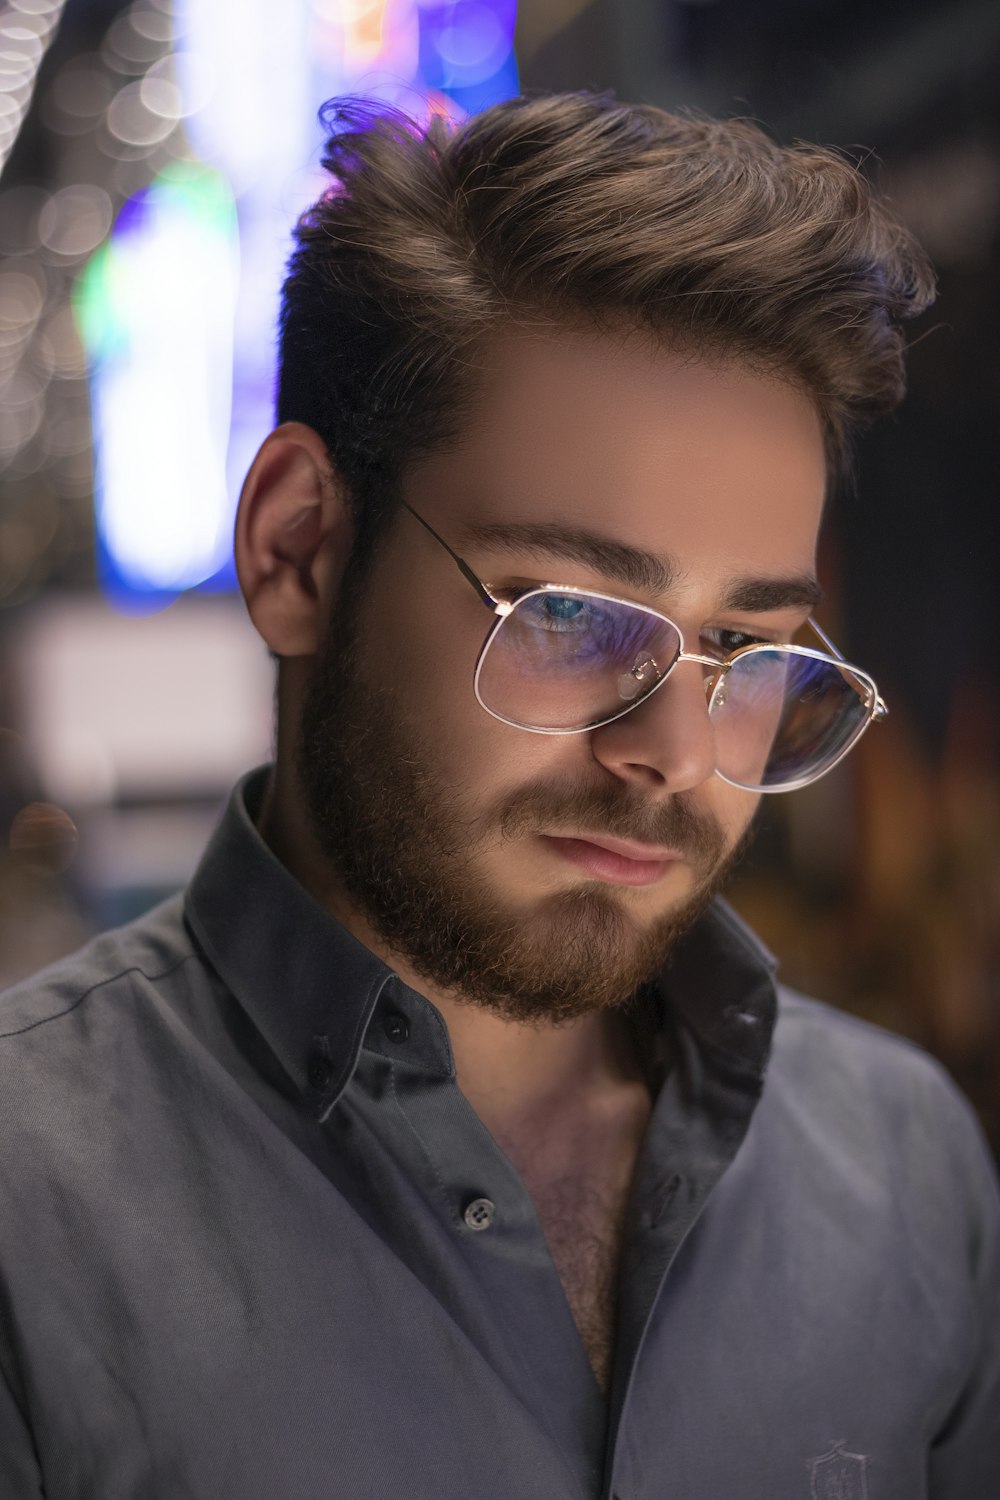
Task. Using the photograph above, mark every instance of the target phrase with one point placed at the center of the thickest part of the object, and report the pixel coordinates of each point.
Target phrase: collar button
(395, 1026)
(319, 1073)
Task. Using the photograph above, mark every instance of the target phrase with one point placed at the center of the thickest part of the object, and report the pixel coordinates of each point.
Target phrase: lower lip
(604, 864)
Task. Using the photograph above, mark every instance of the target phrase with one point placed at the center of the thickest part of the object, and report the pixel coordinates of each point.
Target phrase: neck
(518, 1074)
(506, 1069)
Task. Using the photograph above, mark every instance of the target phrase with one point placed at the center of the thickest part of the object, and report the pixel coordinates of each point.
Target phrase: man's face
(474, 849)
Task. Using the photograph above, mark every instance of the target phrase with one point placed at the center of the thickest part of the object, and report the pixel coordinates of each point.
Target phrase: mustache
(615, 814)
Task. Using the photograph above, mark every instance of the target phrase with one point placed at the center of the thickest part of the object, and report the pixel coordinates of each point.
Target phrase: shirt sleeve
(965, 1458)
(20, 1476)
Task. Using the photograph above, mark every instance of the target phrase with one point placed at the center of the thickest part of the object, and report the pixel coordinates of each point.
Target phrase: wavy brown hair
(568, 208)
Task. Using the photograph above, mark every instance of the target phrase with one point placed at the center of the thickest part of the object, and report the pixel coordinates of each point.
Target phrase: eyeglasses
(562, 660)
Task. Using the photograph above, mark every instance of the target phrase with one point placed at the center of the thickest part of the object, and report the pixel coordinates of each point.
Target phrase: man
(440, 1140)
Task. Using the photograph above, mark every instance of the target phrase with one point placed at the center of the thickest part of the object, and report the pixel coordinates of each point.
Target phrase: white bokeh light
(163, 403)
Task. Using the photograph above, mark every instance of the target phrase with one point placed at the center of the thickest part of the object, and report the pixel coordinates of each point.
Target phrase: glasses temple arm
(459, 562)
(826, 641)
(881, 710)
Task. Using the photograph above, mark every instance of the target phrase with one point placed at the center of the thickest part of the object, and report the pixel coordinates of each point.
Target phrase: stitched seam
(100, 984)
(452, 1211)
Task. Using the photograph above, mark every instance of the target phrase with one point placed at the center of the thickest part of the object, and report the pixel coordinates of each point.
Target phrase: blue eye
(559, 614)
(596, 628)
(561, 607)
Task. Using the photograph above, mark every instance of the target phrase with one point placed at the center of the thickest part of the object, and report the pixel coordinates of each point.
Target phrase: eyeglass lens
(565, 661)
(780, 718)
(572, 661)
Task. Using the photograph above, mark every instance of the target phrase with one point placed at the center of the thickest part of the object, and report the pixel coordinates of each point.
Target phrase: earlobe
(293, 538)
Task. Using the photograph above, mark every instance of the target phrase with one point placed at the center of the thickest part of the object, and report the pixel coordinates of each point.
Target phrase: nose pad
(638, 678)
(667, 739)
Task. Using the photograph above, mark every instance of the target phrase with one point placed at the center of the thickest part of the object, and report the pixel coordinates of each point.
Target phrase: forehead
(715, 465)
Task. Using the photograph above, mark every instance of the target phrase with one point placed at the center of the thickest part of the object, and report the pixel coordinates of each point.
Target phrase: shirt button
(319, 1073)
(479, 1213)
(395, 1026)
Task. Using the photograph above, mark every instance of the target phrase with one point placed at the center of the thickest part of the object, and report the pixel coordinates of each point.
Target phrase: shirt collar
(720, 982)
(308, 985)
(311, 988)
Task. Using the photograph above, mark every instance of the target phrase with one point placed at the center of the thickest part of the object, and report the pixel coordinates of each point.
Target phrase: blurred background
(154, 156)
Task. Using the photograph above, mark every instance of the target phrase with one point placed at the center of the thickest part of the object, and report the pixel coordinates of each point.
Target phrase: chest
(583, 1221)
(579, 1183)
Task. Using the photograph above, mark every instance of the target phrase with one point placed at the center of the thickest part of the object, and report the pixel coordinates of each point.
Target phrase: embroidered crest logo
(838, 1475)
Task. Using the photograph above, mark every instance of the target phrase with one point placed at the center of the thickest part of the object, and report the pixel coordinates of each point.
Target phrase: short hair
(574, 207)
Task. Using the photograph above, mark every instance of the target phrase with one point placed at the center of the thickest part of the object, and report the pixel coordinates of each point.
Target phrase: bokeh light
(26, 30)
(75, 220)
(44, 839)
(78, 96)
(230, 84)
(227, 92)
(132, 120)
(155, 309)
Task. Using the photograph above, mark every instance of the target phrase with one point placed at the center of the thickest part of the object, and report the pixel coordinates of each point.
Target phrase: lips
(616, 861)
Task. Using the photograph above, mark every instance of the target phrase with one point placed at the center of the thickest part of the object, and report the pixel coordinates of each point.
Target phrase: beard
(403, 845)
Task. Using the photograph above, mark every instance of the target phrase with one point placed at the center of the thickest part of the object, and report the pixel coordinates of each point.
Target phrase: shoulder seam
(108, 979)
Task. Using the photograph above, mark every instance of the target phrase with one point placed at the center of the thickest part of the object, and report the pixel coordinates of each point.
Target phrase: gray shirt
(256, 1245)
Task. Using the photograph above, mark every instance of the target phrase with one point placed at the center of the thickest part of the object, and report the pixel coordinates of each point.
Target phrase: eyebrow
(641, 572)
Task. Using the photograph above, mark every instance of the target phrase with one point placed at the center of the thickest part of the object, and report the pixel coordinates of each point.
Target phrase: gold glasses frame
(721, 666)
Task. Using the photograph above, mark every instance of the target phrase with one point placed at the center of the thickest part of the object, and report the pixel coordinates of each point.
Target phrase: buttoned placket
(483, 1251)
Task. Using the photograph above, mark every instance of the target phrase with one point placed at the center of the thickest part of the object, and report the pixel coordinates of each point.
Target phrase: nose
(667, 742)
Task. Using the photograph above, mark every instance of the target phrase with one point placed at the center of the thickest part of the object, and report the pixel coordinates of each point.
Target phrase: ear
(293, 537)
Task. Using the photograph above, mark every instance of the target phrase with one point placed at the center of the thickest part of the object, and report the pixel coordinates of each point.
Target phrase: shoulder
(85, 1043)
(866, 1103)
(830, 1052)
(128, 959)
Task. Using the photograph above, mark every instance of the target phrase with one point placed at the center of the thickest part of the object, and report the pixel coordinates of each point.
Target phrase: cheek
(423, 652)
(731, 807)
(420, 641)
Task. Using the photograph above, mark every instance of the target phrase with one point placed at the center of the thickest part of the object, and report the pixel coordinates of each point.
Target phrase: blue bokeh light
(205, 401)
